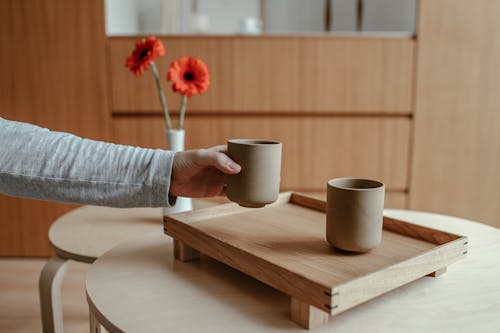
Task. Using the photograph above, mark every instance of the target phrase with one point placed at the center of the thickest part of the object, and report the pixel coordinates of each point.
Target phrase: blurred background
(403, 91)
(129, 17)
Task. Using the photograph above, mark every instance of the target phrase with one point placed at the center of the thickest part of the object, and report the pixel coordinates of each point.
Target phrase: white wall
(131, 17)
(390, 15)
(343, 13)
(282, 16)
(225, 16)
(121, 17)
(149, 14)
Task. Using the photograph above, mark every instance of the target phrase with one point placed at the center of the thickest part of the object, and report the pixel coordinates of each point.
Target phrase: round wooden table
(83, 235)
(139, 287)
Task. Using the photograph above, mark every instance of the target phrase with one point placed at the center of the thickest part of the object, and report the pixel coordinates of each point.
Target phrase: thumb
(219, 160)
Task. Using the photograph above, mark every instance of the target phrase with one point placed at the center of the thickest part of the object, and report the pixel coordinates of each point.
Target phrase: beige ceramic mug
(354, 213)
(258, 182)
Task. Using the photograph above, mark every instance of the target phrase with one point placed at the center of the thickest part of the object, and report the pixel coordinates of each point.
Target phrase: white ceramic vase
(175, 142)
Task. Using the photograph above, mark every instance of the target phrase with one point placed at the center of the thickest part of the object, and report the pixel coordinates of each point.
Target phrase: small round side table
(83, 235)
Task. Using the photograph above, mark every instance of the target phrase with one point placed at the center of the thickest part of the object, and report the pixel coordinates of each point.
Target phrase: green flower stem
(183, 111)
(162, 96)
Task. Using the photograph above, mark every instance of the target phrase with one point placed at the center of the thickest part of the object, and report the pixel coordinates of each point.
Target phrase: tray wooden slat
(284, 246)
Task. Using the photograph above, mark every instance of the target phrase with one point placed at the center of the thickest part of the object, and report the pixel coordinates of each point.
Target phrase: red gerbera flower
(146, 50)
(189, 76)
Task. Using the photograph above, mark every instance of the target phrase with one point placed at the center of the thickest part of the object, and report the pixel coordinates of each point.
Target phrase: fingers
(219, 148)
(216, 158)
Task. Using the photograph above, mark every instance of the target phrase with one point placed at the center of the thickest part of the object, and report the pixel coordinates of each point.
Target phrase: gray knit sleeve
(41, 164)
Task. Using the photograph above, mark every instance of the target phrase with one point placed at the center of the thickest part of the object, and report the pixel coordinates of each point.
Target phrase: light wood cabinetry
(340, 105)
(315, 149)
(53, 67)
(456, 158)
(308, 74)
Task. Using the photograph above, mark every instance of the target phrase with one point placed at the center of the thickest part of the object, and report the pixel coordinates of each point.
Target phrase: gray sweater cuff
(162, 169)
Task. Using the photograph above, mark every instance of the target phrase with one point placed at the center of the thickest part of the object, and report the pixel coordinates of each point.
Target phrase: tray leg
(437, 273)
(184, 252)
(307, 315)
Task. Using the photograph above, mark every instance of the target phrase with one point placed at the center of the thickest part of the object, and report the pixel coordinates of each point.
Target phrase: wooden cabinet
(53, 66)
(456, 158)
(289, 74)
(315, 148)
(340, 105)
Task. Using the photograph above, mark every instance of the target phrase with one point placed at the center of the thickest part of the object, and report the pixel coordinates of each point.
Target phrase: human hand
(202, 172)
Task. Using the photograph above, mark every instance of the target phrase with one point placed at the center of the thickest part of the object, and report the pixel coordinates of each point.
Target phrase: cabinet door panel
(313, 74)
(53, 65)
(457, 125)
(315, 149)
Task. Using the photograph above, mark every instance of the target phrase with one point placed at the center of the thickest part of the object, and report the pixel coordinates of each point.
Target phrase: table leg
(95, 327)
(437, 273)
(307, 315)
(184, 252)
(49, 286)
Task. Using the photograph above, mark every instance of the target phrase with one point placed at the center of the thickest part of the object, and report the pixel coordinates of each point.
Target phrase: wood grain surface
(315, 149)
(278, 73)
(457, 118)
(284, 246)
(53, 66)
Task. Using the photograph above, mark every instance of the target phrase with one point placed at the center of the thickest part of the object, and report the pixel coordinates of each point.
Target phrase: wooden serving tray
(284, 246)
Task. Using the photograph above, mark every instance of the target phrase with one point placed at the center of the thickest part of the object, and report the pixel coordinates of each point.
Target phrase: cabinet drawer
(311, 74)
(315, 149)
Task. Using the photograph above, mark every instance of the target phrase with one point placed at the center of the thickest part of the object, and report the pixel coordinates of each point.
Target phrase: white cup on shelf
(250, 25)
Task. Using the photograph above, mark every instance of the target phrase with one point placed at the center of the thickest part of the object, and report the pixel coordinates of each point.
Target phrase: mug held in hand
(258, 182)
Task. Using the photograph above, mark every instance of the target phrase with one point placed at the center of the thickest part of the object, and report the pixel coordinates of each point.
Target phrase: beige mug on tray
(354, 213)
(258, 182)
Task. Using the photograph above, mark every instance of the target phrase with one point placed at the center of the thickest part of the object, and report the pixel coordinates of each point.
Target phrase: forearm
(40, 164)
